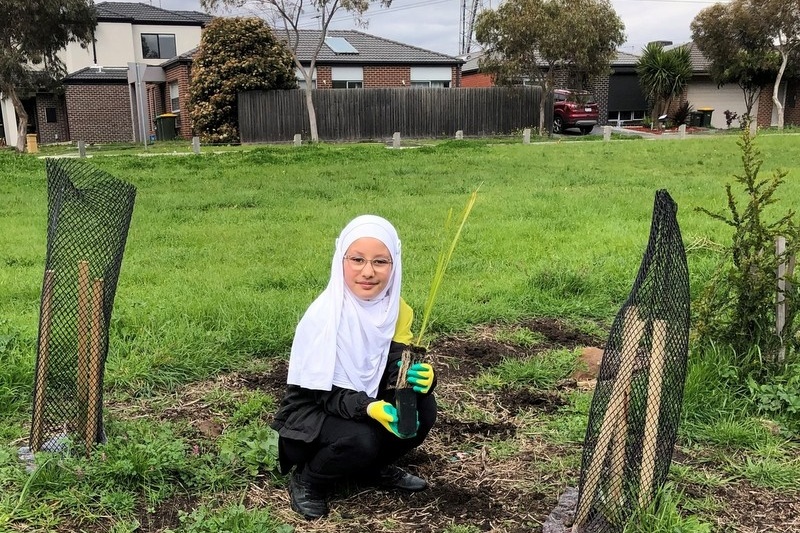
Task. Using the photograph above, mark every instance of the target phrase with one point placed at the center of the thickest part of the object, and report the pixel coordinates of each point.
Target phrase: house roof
(699, 62)
(186, 57)
(138, 13)
(370, 48)
(97, 75)
(623, 59)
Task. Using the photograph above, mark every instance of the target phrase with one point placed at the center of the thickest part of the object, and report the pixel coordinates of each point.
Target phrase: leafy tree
(528, 38)
(663, 75)
(781, 20)
(236, 54)
(733, 39)
(31, 34)
(286, 14)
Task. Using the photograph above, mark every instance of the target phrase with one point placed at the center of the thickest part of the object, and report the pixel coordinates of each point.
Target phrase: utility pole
(468, 13)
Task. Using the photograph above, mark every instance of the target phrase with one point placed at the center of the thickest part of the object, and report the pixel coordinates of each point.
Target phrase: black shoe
(392, 477)
(306, 500)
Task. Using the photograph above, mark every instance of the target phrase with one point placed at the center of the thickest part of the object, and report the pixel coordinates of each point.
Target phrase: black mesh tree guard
(633, 420)
(89, 213)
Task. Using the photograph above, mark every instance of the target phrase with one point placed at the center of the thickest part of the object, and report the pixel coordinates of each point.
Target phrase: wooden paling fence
(357, 114)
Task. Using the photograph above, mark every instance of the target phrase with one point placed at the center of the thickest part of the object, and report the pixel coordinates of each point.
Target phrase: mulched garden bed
(470, 482)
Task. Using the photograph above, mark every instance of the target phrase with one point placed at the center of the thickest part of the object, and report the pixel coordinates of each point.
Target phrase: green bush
(236, 54)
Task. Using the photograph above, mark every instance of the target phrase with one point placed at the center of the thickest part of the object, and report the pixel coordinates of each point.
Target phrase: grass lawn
(225, 252)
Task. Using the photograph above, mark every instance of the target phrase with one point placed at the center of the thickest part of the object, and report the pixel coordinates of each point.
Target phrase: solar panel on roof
(339, 45)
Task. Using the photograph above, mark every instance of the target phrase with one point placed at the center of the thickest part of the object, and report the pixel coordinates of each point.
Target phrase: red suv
(574, 109)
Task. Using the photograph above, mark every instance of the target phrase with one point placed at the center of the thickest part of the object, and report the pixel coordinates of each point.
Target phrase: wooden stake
(616, 469)
(655, 383)
(631, 335)
(43, 360)
(780, 300)
(83, 335)
(95, 356)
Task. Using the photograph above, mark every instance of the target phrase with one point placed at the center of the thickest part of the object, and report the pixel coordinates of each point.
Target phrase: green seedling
(445, 254)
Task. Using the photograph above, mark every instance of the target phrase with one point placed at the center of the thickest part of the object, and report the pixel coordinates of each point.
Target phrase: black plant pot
(406, 400)
(405, 397)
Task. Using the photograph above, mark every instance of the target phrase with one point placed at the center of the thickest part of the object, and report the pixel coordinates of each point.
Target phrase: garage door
(730, 97)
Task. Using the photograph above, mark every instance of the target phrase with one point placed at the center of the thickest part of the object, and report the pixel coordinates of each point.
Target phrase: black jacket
(302, 411)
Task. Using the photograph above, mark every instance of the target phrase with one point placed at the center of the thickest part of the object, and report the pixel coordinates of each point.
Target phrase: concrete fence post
(298, 139)
(526, 136)
(606, 133)
(460, 134)
(81, 149)
(196, 145)
(396, 140)
(682, 131)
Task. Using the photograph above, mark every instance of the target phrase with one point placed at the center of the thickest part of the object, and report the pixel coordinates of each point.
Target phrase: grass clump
(664, 514)
(230, 519)
(541, 371)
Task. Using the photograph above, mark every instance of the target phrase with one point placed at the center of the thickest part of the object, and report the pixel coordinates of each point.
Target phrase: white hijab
(343, 340)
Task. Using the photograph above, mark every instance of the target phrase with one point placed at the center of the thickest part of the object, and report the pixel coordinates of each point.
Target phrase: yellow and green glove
(386, 414)
(420, 376)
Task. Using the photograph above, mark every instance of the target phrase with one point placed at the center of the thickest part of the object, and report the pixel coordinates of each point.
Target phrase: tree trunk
(22, 115)
(750, 97)
(312, 114)
(308, 75)
(775, 100)
(542, 109)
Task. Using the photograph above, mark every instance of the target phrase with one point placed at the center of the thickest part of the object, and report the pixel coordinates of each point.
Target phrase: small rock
(560, 518)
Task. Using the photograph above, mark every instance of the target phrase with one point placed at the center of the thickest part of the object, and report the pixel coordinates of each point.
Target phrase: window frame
(348, 84)
(159, 54)
(174, 99)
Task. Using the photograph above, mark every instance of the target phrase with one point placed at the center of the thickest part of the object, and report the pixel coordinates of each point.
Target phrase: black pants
(350, 449)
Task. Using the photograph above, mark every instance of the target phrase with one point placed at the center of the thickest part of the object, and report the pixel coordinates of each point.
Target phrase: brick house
(97, 96)
(353, 59)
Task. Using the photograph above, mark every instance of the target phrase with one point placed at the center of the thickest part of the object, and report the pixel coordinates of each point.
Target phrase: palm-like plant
(663, 75)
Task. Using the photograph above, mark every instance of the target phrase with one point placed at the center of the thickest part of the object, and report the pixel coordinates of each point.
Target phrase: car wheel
(558, 124)
(586, 130)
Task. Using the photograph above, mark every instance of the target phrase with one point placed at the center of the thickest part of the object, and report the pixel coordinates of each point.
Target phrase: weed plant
(738, 305)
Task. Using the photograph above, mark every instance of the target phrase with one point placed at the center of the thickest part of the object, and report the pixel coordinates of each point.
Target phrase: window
(174, 97)
(301, 80)
(430, 84)
(50, 115)
(342, 84)
(434, 77)
(622, 117)
(347, 77)
(158, 45)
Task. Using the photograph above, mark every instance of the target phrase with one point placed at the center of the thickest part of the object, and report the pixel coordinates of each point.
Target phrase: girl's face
(367, 267)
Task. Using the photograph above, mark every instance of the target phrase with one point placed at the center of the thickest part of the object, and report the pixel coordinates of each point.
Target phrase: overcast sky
(434, 24)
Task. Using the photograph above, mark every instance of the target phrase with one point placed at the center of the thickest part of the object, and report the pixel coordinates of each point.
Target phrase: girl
(337, 419)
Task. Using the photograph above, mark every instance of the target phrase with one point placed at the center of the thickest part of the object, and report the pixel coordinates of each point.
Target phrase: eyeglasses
(358, 263)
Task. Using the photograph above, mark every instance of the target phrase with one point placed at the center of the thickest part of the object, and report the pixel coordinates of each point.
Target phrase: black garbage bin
(706, 111)
(165, 127)
(696, 119)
